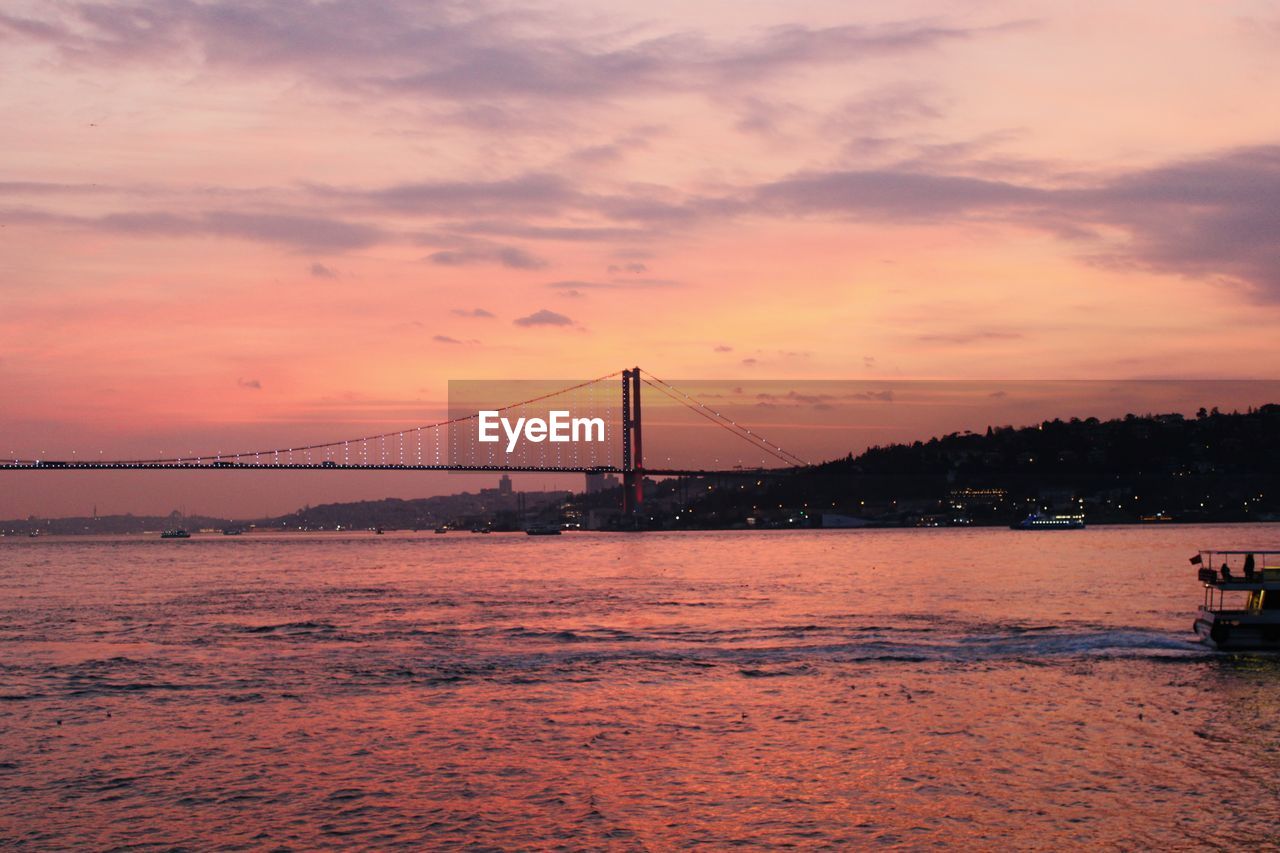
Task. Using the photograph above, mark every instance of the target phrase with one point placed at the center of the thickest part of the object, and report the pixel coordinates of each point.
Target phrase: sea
(973, 689)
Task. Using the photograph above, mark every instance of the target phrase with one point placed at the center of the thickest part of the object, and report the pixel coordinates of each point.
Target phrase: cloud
(472, 54)
(749, 362)
(598, 154)
(544, 318)
(445, 339)
(49, 188)
(562, 233)
(763, 117)
(616, 284)
(573, 284)
(534, 193)
(30, 28)
(961, 338)
(1208, 217)
(252, 384)
(473, 312)
(1215, 216)
(497, 65)
(299, 232)
(507, 256)
(872, 112)
(795, 398)
(647, 282)
(319, 270)
(724, 348)
(892, 194)
(559, 67)
(295, 232)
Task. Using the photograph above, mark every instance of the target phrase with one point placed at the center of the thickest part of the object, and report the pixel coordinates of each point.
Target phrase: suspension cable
(379, 437)
(723, 421)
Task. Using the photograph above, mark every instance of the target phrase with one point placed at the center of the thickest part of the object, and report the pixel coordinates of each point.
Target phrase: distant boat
(33, 534)
(379, 531)
(543, 530)
(175, 533)
(442, 530)
(232, 531)
(1042, 521)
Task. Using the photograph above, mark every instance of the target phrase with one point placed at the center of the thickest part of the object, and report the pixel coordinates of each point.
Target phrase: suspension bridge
(451, 444)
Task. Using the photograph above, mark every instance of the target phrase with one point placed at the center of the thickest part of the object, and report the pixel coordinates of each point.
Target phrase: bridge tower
(632, 445)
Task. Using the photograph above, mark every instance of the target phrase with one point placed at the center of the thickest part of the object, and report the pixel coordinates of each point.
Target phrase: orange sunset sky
(240, 224)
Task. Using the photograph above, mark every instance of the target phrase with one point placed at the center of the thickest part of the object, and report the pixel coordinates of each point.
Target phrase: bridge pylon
(632, 444)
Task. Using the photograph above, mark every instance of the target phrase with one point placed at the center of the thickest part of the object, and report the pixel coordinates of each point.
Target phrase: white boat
(1044, 521)
(1241, 608)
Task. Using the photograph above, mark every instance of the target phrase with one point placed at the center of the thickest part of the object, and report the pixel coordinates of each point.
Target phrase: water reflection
(968, 688)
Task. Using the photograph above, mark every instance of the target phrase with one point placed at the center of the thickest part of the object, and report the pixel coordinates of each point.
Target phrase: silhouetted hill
(1211, 467)
(109, 524)
(491, 507)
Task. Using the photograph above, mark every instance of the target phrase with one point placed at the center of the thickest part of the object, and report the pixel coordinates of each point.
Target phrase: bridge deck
(216, 465)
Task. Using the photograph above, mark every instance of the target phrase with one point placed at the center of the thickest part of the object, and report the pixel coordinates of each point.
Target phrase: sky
(251, 224)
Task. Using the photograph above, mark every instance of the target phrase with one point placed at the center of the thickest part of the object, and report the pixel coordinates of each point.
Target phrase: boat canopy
(1258, 559)
(1255, 552)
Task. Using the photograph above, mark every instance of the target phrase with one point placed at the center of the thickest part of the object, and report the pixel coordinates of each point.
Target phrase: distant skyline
(225, 225)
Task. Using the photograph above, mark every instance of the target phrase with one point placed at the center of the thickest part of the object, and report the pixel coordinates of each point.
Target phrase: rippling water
(966, 688)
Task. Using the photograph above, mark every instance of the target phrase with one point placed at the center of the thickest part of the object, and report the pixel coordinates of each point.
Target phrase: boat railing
(1214, 576)
(1226, 575)
(1235, 565)
(1234, 573)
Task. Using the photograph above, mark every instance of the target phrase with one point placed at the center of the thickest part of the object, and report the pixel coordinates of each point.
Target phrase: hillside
(1212, 467)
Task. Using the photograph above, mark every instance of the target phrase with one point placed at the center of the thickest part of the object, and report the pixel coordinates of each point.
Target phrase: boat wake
(366, 653)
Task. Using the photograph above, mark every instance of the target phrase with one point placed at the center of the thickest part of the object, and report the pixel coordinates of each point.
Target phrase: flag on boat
(1197, 560)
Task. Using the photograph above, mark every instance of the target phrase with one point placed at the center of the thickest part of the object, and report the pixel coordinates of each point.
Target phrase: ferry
(1241, 609)
(543, 530)
(1058, 521)
(176, 533)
